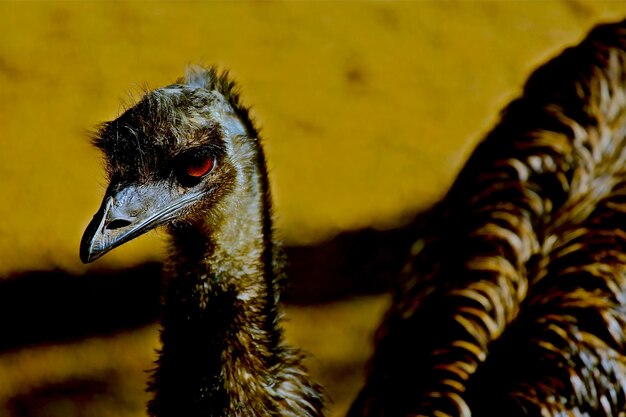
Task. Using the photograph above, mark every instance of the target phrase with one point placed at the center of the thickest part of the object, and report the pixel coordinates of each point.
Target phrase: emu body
(188, 157)
(513, 302)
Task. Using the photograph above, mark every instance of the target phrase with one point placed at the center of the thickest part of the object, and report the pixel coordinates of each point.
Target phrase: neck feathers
(223, 352)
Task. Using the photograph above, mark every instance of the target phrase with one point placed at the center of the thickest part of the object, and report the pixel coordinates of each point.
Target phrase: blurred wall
(367, 108)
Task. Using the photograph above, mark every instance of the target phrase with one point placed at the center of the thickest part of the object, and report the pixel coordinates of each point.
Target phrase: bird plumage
(188, 156)
(513, 302)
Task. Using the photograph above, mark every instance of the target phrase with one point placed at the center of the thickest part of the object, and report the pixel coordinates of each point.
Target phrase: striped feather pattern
(513, 302)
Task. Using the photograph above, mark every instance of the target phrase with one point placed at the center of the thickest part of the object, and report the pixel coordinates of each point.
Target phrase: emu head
(170, 157)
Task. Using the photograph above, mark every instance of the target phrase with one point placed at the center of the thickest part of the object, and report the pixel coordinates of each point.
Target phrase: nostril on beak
(117, 224)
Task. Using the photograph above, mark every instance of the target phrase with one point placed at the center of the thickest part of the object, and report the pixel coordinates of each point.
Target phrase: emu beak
(130, 212)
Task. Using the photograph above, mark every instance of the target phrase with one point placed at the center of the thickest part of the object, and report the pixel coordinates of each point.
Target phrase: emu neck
(220, 335)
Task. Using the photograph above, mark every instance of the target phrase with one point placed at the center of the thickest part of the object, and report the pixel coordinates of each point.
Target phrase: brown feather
(516, 303)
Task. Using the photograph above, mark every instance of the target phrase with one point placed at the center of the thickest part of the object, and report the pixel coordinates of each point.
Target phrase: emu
(188, 157)
(513, 301)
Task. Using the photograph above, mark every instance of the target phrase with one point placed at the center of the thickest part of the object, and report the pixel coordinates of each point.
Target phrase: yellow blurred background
(368, 109)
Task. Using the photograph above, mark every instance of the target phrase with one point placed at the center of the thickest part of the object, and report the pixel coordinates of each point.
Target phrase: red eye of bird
(199, 169)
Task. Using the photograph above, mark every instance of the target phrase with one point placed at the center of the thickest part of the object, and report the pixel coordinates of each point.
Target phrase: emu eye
(197, 169)
(193, 168)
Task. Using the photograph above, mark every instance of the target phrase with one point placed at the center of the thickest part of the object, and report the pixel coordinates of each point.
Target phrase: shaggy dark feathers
(514, 300)
(148, 130)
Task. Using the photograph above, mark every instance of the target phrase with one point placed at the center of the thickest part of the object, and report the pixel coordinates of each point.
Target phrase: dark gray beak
(130, 212)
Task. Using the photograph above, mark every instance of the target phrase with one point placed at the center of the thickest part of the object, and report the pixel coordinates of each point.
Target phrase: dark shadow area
(352, 263)
(53, 306)
(47, 306)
